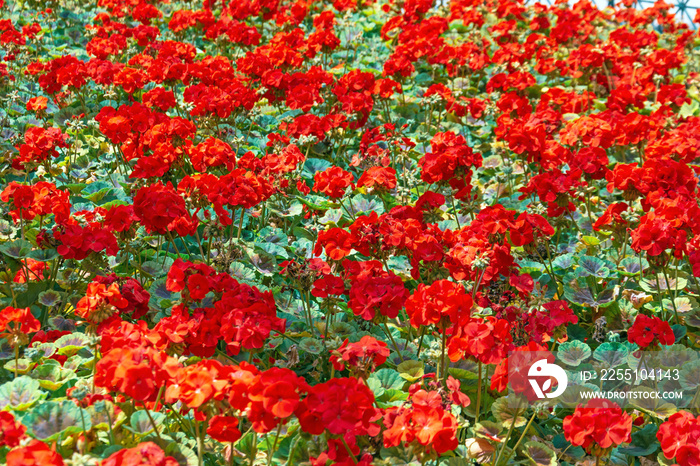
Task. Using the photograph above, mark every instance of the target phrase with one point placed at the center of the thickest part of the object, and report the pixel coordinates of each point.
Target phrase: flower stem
(478, 395)
(521, 437)
(393, 342)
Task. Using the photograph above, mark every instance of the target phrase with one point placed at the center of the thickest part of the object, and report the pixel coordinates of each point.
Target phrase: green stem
(454, 208)
(347, 447)
(271, 452)
(443, 359)
(153, 423)
(240, 224)
(522, 436)
(478, 395)
(673, 300)
(420, 342)
(254, 453)
(393, 342)
(510, 431)
(200, 443)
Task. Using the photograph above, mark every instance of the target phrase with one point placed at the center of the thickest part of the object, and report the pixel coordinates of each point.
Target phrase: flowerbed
(349, 232)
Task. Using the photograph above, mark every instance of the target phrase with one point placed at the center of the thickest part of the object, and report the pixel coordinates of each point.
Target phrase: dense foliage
(304, 232)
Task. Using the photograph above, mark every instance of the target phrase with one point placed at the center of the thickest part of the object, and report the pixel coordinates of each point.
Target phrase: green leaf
(530, 267)
(51, 375)
(43, 255)
(504, 410)
(23, 365)
(362, 204)
(20, 394)
(540, 454)
(264, 263)
(316, 202)
(141, 424)
(240, 272)
(646, 402)
(30, 297)
(689, 377)
(578, 292)
(53, 419)
(411, 370)
(653, 285)
(102, 412)
(563, 262)
(679, 331)
(644, 442)
(159, 292)
(629, 266)
(70, 344)
(576, 332)
(560, 443)
(388, 378)
(611, 354)
(689, 109)
(590, 240)
(488, 429)
(593, 267)
(573, 353)
(183, 455)
(313, 165)
(18, 249)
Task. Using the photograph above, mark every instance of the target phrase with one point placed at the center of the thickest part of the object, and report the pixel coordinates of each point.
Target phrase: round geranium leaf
(411, 370)
(508, 409)
(20, 366)
(540, 454)
(20, 394)
(311, 345)
(142, 424)
(573, 353)
(49, 298)
(690, 375)
(51, 375)
(18, 249)
(53, 419)
(611, 354)
(68, 345)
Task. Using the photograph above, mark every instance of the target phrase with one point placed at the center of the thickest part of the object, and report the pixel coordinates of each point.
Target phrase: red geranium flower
(598, 426)
(332, 182)
(35, 454)
(224, 428)
(650, 331)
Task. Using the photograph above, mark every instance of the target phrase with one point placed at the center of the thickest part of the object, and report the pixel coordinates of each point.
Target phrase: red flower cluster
(424, 424)
(362, 356)
(332, 182)
(451, 161)
(11, 431)
(145, 453)
(341, 406)
(598, 426)
(159, 208)
(16, 325)
(650, 331)
(137, 371)
(78, 242)
(36, 453)
(374, 291)
(39, 145)
(680, 438)
(37, 200)
(487, 340)
(441, 304)
(241, 315)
